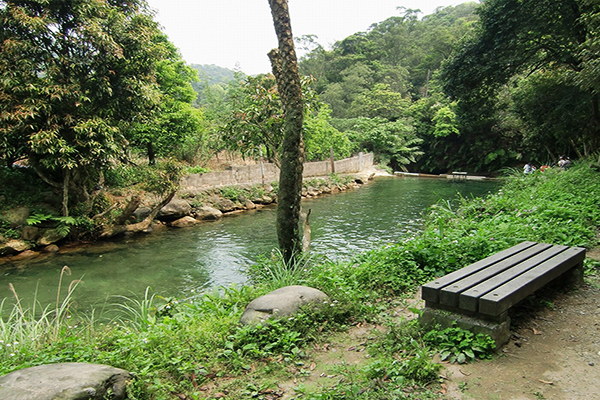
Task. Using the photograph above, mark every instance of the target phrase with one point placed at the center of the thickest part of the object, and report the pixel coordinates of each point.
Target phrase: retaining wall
(253, 174)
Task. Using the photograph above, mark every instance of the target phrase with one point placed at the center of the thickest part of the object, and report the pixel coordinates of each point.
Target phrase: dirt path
(554, 353)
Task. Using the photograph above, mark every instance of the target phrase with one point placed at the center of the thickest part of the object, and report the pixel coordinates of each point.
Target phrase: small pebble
(591, 364)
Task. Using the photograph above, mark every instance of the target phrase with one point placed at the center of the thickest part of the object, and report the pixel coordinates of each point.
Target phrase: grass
(194, 348)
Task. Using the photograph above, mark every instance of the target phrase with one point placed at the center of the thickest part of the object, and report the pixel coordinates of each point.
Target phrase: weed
(459, 345)
(274, 272)
(196, 170)
(233, 193)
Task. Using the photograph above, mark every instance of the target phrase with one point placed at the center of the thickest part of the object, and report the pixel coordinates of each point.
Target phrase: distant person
(564, 162)
(528, 169)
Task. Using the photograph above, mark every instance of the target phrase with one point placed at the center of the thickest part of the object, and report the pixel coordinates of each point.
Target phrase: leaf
(461, 359)
(469, 353)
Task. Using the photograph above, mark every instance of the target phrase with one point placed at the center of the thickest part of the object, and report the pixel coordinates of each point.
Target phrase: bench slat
(430, 291)
(469, 299)
(509, 294)
(450, 294)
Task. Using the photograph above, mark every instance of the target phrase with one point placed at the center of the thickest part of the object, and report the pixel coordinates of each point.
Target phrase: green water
(184, 262)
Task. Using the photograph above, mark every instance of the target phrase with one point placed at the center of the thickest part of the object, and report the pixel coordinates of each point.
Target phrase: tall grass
(275, 272)
(29, 328)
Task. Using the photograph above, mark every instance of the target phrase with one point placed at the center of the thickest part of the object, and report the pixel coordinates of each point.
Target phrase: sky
(239, 33)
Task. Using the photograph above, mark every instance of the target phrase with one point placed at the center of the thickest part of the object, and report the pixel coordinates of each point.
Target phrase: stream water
(182, 262)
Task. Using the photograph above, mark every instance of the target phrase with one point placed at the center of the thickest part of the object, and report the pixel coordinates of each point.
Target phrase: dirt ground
(554, 353)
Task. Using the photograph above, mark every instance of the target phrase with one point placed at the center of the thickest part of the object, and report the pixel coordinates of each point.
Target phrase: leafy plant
(196, 170)
(459, 345)
(62, 225)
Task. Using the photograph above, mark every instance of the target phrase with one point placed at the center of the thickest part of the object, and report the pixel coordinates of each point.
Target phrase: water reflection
(182, 262)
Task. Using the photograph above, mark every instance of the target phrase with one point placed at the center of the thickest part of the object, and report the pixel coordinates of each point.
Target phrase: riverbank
(195, 349)
(188, 208)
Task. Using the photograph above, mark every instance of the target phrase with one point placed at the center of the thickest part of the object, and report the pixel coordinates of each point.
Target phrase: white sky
(240, 32)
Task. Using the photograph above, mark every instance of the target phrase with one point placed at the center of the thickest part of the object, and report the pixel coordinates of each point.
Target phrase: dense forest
(476, 87)
(88, 90)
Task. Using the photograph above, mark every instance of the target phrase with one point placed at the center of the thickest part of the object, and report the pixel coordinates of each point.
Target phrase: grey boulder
(174, 210)
(284, 301)
(66, 381)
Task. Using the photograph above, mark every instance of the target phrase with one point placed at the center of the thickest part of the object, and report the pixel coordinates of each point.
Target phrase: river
(183, 262)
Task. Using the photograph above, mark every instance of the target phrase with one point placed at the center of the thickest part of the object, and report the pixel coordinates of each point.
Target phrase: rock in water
(66, 381)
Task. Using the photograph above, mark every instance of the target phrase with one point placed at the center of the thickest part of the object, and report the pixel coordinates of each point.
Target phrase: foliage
(512, 40)
(392, 141)
(320, 137)
(74, 77)
(275, 272)
(173, 121)
(62, 225)
(157, 179)
(459, 345)
(375, 73)
(256, 121)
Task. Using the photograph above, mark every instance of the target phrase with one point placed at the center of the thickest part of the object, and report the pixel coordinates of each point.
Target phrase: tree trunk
(151, 155)
(285, 68)
(114, 230)
(65, 199)
(130, 208)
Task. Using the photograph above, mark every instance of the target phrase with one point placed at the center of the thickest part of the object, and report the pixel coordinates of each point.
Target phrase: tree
(517, 38)
(285, 69)
(393, 143)
(173, 119)
(320, 137)
(73, 77)
(257, 120)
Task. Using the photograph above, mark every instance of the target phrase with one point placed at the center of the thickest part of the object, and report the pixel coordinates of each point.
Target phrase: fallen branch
(114, 230)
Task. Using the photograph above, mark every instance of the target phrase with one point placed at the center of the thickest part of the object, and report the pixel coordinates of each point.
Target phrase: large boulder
(141, 213)
(184, 222)
(14, 246)
(30, 233)
(49, 236)
(66, 381)
(174, 210)
(208, 213)
(16, 217)
(284, 301)
(225, 205)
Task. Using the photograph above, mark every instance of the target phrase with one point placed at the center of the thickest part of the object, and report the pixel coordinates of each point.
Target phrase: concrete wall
(252, 174)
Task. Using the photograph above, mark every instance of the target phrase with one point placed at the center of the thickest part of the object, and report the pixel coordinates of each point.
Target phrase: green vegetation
(195, 348)
(86, 88)
(461, 346)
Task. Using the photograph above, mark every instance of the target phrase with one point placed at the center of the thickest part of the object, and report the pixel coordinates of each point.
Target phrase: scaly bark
(285, 68)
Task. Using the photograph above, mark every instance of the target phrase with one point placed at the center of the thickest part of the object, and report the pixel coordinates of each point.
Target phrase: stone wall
(253, 174)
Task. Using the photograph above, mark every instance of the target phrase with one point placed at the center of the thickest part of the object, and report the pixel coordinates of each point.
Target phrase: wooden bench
(482, 293)
(458, 175)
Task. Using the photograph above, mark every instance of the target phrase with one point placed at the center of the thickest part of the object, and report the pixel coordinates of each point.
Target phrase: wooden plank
(430, 291)
(469, 299)
(450, 294)
(515, 290)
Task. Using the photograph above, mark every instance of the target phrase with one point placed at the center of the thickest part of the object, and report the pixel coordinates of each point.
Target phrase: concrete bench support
(478, 297)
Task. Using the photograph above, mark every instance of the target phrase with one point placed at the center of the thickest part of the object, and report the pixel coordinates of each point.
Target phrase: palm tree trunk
(285, 68)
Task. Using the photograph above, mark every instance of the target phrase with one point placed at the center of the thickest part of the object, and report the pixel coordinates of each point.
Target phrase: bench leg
(498, 330)
(573, 277)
